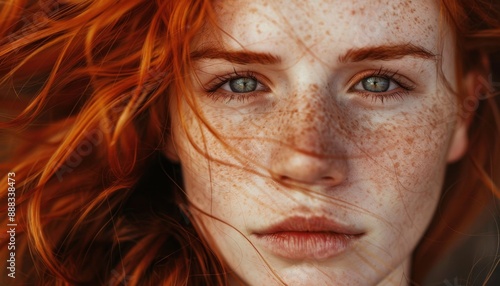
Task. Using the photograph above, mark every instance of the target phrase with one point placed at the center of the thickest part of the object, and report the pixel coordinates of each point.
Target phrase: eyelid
(214, 90)
(403, 86)
(397, 78)
(219, 81)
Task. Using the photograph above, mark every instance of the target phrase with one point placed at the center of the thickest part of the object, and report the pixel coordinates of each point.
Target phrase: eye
(376, 84)
(241, 85)
(383, 85)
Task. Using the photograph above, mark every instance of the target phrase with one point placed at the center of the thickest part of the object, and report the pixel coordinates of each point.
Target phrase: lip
(315, 238)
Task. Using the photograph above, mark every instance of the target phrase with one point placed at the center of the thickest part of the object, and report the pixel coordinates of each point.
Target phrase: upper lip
(310, 224)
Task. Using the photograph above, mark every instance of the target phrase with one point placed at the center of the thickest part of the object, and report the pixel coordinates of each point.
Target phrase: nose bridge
(310, 152)
(311, 149)
(311, 121)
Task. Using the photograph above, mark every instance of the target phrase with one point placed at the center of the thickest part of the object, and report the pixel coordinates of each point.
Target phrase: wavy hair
(85, 89)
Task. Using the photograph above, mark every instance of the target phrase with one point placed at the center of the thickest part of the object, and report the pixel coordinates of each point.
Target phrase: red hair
(96, 108)
(86, 86)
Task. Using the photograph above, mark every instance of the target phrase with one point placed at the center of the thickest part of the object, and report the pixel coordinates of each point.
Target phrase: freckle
(353, 12)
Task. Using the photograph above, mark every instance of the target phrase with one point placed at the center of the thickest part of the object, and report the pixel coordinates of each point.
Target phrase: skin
(308, 142)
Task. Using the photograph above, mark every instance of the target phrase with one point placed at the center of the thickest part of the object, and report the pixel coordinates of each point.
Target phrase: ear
(459, 142)
(170, 150)
(474, 87)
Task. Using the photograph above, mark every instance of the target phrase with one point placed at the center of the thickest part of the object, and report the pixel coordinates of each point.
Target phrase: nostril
(325, 180)
(281, 178)
(328, 180)
(287, 180)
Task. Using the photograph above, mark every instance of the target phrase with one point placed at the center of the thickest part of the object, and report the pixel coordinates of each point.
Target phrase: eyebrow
(386, 52)
(238, 57)
(380, 53)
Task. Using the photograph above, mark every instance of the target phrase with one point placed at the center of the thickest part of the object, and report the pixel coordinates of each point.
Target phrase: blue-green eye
(383, 85)
(240, 86)
(376, 84)
(243, 84)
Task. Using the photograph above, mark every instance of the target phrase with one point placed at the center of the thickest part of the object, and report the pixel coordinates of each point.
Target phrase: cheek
(400, 162)
(211, 173)
(409, 145)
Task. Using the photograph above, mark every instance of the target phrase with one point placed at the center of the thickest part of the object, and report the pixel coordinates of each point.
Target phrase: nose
(292, 166)
(311, 150)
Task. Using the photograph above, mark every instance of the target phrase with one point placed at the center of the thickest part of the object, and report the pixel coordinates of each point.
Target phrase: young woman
(244, 142)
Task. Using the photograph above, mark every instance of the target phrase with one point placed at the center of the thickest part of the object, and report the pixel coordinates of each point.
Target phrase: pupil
(376, 84)
(243, 84)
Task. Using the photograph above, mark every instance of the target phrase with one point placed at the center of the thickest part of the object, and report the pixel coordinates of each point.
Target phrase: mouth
(300, 238)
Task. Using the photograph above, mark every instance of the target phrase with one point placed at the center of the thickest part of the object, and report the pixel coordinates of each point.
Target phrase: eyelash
(387, 95)
(213, 87)
(213, 92)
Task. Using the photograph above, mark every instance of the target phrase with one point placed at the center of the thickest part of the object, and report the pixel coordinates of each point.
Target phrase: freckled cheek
(404, 140)
(243, 140)
(403, 166)
(209, 182)
(400, 186)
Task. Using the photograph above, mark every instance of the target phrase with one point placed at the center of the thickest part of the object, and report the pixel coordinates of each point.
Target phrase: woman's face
(334, 131)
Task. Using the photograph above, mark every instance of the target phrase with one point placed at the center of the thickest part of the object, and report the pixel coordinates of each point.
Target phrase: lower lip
(306, 245)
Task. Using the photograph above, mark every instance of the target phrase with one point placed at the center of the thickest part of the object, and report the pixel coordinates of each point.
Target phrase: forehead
(326, 25)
